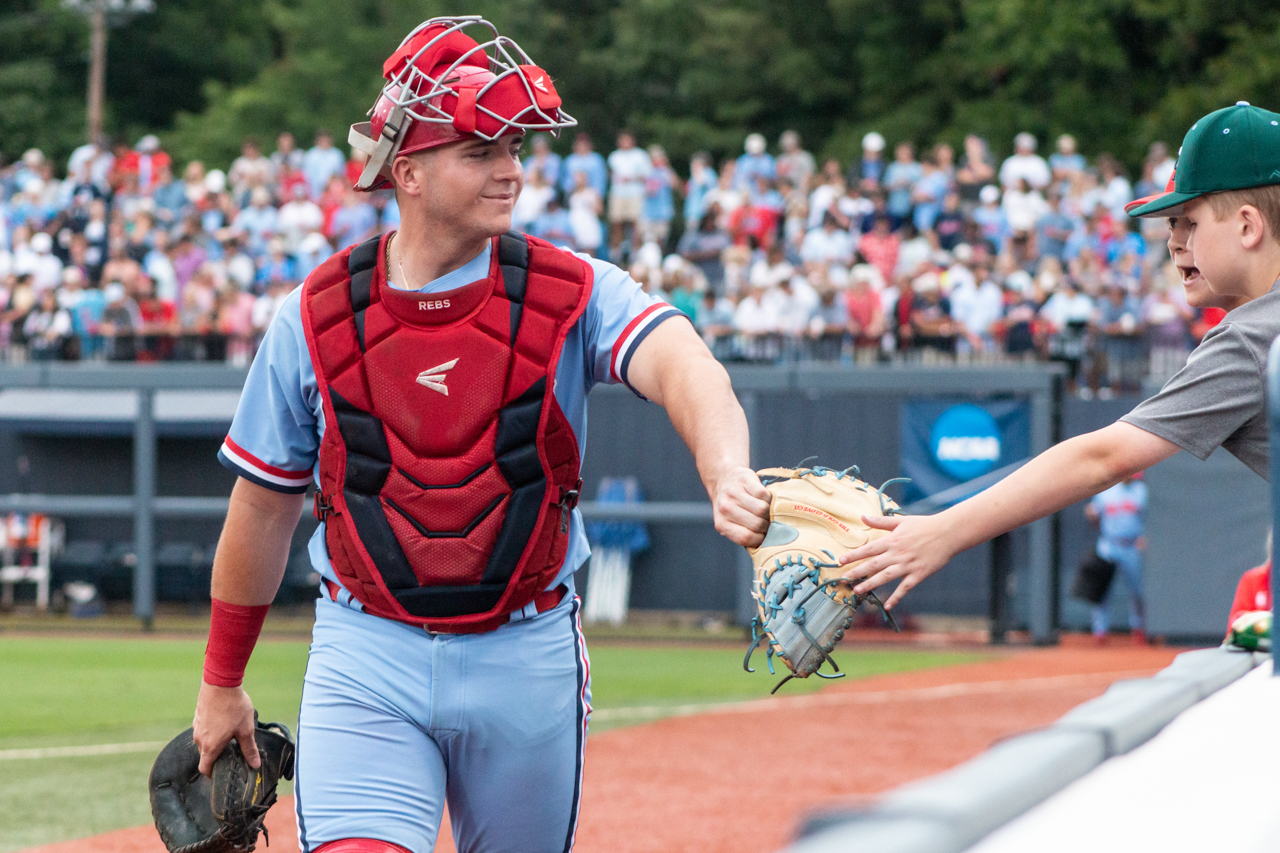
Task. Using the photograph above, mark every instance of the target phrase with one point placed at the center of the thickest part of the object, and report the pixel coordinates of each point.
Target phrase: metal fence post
(144, 492)
(745, 608)
(1042, 619)
(1273, 404)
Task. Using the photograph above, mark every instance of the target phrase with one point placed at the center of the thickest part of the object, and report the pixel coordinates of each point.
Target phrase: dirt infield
(742, 778)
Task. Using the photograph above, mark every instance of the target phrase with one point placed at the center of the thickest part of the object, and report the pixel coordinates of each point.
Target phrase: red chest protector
(447, 470)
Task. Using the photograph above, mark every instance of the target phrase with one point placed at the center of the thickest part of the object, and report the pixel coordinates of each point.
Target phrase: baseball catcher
(803, 605)
(224, 811)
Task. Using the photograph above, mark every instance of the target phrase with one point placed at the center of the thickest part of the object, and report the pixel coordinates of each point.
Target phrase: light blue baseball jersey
(274, 439)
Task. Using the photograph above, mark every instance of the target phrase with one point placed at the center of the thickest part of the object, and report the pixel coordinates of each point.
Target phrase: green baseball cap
(1229, 149)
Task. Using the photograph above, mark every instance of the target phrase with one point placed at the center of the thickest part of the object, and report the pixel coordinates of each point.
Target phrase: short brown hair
(1266, 199)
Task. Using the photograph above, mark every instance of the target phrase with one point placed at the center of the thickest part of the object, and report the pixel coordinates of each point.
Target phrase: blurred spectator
(1116, 192)
(250, 171)
(322, 163)
(286, 155)
(1119, 326)
(714, 321)
(1166, 317)
(1065, 163)
(543, 162)
(827, 245)
(702, 179)
(931, 188)
(753, 163)
(629, 168)
(1020, 315)
(865, 310)
(298, 217)
(47, 327)
(1162, 163)
(704, 247)
(586, 161)
(532, 201)
(1024, 163)
(977, 169)
(354, 222)
(990, 218)
(794, 163)
(659, 202)
(1023, 207)
(880, 246)
(931, 326)
(258, 222)
(900, 179)
(1068, 314)
(868, 171)
(585, 207)
(554, 224)
(121, 321)
(948, 227)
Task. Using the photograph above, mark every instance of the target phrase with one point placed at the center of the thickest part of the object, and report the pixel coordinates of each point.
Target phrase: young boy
(1225, 223)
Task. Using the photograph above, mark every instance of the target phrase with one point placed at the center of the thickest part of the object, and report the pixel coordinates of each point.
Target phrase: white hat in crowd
(41, 243)
(149, 144)
(33, 158)
(216, 181)
(1024, 142)
(963, 253)
(926, 283)
(755, 144)
(1018, 280)
(873, 142)
(989, 194)
(113, 292)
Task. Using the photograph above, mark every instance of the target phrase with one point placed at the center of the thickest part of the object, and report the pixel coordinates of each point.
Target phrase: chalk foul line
(80, 751)
(870, 697)
(748, 706)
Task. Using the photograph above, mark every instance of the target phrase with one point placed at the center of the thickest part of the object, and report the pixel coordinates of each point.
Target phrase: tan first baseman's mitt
(803, 605)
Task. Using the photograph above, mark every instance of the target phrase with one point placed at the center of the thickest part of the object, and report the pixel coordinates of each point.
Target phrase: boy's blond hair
(1266, 199)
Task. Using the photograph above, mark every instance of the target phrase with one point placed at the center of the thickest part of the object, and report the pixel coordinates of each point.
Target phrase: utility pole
(97, 69)
(101, 13)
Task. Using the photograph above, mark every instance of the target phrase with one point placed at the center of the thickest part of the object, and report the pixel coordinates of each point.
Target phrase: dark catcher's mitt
(803, 605)
(196, 814)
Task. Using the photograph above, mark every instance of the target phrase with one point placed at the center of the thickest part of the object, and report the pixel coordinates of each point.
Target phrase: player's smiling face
(471, 186)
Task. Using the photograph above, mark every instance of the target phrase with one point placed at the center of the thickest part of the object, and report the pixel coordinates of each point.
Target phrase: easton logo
(434, 378)
(541, 83)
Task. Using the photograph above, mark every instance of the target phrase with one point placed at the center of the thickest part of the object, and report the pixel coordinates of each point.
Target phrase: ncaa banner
(948, 442)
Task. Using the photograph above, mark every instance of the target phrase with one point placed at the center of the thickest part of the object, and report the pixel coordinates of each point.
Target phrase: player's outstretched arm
(247, 569)
(917, 546)
(674, 368)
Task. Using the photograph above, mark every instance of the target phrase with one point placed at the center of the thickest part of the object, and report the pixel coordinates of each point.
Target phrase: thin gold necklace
(399, 262)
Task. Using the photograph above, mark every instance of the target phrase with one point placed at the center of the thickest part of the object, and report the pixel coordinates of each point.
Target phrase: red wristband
(233, 632)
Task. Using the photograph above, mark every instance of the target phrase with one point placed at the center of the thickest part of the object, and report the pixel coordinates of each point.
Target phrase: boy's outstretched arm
(1078, 468)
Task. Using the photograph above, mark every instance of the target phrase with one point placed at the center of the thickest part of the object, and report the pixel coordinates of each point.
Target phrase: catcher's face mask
(443, 86)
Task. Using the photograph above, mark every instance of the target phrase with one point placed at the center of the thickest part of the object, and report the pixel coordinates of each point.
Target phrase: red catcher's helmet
(443, 85)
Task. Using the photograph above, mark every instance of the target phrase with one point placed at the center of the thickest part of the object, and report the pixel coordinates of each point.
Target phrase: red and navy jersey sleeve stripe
(253, 469)
(635, 332)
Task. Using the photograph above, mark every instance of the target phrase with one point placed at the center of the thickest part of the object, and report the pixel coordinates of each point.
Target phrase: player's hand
(916, 547)
(223, 713)
(740, 504)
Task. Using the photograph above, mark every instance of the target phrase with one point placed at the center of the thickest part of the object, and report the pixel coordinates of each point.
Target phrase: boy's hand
(916, 547)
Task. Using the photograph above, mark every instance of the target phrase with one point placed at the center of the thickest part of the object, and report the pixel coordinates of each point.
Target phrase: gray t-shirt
(1220, 397)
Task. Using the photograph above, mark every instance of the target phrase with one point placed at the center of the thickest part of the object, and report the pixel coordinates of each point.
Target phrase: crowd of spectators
(934, 258)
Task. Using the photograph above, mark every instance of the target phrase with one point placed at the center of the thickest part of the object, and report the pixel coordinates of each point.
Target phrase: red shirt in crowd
(1252, 593)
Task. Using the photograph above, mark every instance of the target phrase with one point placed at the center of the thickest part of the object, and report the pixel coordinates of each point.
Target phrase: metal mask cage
(420, 95)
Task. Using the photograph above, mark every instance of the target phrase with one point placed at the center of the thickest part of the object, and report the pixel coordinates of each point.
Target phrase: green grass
(57, 691)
